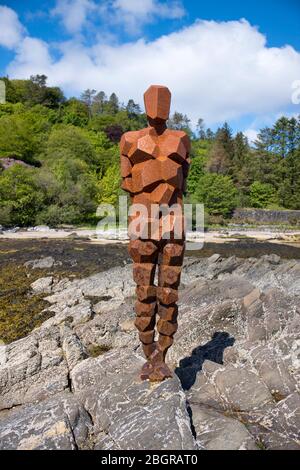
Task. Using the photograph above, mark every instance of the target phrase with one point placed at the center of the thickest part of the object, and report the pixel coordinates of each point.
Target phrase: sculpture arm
(126, 173)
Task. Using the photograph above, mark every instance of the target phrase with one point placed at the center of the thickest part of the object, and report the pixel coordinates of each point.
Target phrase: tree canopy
(69, 149)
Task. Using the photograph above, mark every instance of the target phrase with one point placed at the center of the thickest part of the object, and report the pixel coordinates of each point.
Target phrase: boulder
(46, 262)
(54, 424)
(43, 285)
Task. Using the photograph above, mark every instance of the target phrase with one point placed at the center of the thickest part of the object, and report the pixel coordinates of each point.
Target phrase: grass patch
(97, 350)
(19, 313)
(278, 396)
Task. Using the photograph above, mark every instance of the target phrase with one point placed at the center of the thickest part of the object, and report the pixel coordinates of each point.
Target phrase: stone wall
(267, 216)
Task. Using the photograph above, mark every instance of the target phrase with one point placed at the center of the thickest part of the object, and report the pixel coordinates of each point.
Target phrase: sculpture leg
(144, 255)
(167, 296)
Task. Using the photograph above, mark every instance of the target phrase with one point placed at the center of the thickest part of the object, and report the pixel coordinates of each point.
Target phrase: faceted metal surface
(154, 166)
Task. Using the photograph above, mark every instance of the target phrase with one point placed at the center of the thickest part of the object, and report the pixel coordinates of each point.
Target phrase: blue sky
(223, 60)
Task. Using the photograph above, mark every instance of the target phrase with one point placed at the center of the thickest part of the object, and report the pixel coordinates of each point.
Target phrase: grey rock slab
(215, 431)
(241, 389)
(256, 330)
(205, 393)
(74, 314)
(60, 423)
(277, 427)
(128, 413)
(206, 308)
(274, 372)
(214, 258)
(230, 355)
(284, 418)
(251, 298)
(32, 369)
(272, 259)
(46, 262)
(113, 284)
(265, 275)
(73, 350)
(105, 329)
(204, 292)
(210, 368)
(205, 268)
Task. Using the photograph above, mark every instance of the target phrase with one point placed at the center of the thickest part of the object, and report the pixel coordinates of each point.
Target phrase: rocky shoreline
(72, 383)
(234, 232)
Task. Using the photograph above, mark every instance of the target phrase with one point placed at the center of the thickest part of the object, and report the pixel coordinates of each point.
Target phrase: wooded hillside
(59, 158)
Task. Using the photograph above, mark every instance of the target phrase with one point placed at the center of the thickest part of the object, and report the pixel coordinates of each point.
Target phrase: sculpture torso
(154, 166)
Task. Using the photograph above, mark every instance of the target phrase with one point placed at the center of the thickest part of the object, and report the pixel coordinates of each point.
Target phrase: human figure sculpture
(154, 167)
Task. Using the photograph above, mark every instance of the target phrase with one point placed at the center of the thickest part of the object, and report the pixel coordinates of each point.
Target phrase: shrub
(262, 195)
(20, 195)
(217, 193)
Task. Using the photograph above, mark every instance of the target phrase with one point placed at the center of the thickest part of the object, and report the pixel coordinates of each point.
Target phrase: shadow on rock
(213, 351)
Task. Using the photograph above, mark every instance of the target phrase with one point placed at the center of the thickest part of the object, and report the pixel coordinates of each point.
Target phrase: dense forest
(59, 158)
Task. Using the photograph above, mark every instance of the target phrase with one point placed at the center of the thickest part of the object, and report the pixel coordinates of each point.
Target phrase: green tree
(218, 161)
(75, 112)
(22, 135)
(133, 109)
(201, 129)
(112, 105)
(217, 193)
(179, 121)
(39, 93)
(240, 152)
(262, 195)
(69, 142)
(87, 98)
(222, 152)
(100, 122)
(195, 173)
(33, 91)
(73, 145)
(20, 195)
(7, 109)
(109, 186)
(243, 168)
(289, 190)
(98, 103)
(210, 134)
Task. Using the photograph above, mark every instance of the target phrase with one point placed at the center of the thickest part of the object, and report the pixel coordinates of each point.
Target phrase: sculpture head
(157, 103)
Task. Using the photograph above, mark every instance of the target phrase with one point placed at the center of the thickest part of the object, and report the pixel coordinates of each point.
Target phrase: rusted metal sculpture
(154, 167)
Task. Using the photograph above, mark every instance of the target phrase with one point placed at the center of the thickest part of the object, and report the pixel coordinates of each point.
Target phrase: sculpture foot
(160, 372)
(146, 371)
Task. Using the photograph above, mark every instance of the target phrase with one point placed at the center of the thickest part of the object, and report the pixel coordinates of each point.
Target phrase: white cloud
(133, 14)
(11, 30)
(251, 135)
(73, 13)
(33, 57)
(217, 71)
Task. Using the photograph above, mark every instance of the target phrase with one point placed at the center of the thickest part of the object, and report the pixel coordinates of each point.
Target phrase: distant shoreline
(211, 236)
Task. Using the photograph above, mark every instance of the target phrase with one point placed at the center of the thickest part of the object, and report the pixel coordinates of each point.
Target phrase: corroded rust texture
(154, 167)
